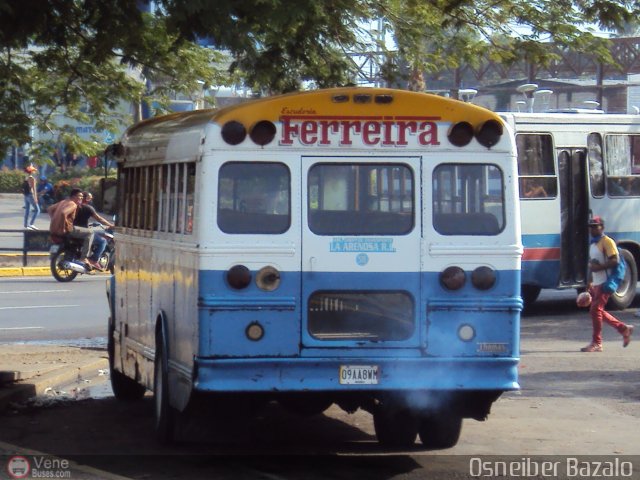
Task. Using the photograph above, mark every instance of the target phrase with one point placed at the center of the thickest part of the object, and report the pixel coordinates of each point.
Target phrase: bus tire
(441, 430)
(626, 292)
(124, 388)
(395, 428)
(530, 294)
(164, 415)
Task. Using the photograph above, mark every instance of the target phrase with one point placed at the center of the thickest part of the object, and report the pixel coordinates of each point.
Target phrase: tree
(79, 55)
(68, 60)
(450, 33)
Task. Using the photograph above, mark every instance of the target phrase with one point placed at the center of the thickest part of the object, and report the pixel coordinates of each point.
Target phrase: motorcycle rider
(85, 212)
(62, 215)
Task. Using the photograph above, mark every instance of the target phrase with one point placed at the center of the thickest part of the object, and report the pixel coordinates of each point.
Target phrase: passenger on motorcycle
(85, 212)
(62, 215)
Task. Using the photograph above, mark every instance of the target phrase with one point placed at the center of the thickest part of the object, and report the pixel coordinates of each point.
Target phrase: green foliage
(451, 33)
(63, 62)
(85, 179)
(11, 180)
(86, 62)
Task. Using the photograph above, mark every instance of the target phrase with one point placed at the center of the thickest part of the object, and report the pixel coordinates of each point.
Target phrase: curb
(24, 271)
(15, 269)
(20, 392)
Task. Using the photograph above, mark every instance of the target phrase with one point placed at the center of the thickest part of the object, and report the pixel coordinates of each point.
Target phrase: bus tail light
(460, 134)
(483, 278)
(268, 279)
(489, 133)
(453, 278)
(239, 277)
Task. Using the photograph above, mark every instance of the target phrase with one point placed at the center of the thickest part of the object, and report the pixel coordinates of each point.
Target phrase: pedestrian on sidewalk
(30, 198)
(603, 258)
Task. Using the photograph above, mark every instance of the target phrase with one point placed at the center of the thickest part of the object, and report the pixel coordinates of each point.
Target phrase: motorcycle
(66, 259)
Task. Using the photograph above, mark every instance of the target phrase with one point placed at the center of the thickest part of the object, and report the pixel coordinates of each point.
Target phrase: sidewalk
(28, 370)
(11, 218)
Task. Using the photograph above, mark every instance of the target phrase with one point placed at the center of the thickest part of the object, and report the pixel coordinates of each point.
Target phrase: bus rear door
(361, 252)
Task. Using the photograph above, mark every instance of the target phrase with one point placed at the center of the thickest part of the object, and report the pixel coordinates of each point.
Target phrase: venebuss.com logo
(18, 467)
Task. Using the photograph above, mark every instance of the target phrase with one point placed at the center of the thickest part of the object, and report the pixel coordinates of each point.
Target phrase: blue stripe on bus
(229, 360)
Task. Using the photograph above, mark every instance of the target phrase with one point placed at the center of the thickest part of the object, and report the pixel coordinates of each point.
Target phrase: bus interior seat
(330, 222)
(466, 224)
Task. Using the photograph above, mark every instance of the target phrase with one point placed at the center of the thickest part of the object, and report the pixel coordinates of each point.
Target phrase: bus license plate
(358, 374)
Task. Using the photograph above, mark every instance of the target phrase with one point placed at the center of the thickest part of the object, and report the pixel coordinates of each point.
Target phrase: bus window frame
(631, 178)
(385, 185)
(440, 220)
(548, 177)
(598, 158)
(243, 231)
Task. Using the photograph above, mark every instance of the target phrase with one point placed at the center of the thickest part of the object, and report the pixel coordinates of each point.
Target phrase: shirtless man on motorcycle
(62, 215)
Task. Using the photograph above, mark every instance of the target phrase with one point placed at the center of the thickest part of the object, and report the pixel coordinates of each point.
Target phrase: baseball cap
(596, 220)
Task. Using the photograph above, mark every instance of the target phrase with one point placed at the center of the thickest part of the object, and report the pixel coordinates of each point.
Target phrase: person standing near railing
(30, 198)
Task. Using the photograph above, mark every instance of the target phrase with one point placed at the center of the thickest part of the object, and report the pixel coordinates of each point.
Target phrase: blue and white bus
(350, 246)
(573, 164)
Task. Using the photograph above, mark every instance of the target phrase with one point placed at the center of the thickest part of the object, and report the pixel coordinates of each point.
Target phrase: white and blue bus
(350, 246)
(573, 164)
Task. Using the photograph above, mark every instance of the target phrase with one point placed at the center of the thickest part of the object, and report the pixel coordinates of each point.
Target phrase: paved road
(571, 403)
(41, 308)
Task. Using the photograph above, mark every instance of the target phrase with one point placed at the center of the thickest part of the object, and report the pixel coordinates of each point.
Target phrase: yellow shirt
(602, 251)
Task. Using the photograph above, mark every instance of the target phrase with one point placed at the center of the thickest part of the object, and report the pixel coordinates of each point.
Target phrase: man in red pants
(603, 255)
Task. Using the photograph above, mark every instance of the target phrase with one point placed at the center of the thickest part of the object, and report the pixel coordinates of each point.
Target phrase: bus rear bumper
(320, 374)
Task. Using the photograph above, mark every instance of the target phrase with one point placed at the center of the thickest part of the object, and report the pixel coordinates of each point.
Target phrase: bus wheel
(124, 388)
(441, 430)
(164, 415)
(395, 428)
(530, 294)
(626, 292)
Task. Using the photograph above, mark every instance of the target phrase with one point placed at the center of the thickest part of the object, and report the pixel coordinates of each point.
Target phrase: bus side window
(620, 154)
(596, 167)
(536, 166)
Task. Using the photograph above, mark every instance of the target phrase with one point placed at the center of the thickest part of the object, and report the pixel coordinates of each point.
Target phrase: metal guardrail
(33, 241)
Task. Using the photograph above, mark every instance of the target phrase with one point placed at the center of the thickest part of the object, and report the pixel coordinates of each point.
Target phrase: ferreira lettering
(387, 131)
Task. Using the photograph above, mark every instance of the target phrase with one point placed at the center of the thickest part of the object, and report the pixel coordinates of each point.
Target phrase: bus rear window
(468, 199)
(254, 198)
(361, 199)
(353, 315)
